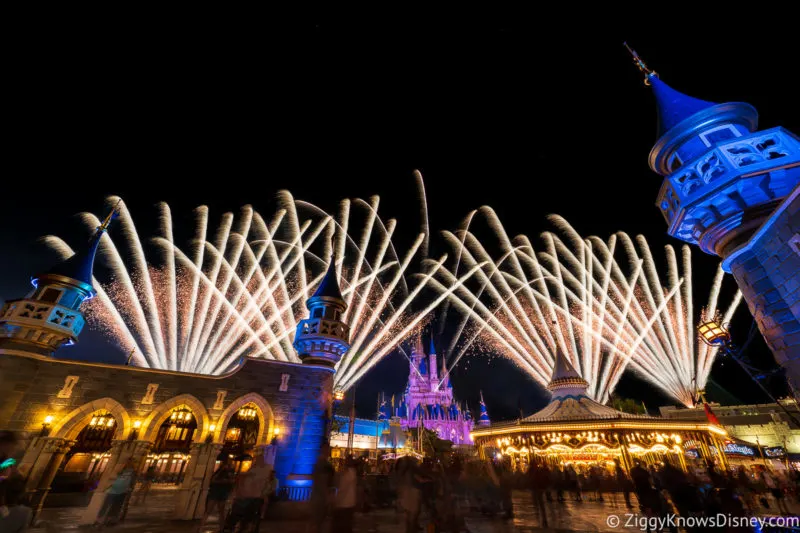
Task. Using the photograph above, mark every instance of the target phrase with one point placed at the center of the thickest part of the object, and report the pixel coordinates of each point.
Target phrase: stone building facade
(116, 414)
(766, 425)
(49, 401)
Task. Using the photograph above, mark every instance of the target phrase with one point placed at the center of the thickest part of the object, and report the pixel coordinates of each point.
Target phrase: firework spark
(241, 291)
(573, 295)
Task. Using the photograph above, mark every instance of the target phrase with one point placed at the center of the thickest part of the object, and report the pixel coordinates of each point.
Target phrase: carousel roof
(570, 400)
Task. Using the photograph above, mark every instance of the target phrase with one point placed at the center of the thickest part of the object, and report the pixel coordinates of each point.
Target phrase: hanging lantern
(712, 331)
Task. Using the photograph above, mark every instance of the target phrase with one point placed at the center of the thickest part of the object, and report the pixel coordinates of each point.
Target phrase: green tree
(629, 405)
(432, 445)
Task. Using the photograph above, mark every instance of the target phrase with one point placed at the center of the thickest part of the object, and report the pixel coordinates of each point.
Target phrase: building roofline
(247, 361)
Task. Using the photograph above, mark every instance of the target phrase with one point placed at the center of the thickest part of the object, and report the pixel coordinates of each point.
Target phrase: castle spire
(329, 286)
(418, 346)
(323, 338)
(673, 107)
(49, 316)
(80, 266)
(685, 123)
(483, 420)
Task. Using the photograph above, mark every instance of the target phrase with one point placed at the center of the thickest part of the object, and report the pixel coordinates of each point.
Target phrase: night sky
(491, 114)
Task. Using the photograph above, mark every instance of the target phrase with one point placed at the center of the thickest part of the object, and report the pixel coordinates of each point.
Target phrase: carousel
(575, 429)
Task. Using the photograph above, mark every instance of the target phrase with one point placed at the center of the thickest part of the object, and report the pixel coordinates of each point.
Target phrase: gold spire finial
(640, 64)
(111, 216)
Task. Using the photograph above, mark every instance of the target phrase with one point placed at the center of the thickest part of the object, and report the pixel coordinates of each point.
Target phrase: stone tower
(323, 338)
(732, 190)
(49, 316)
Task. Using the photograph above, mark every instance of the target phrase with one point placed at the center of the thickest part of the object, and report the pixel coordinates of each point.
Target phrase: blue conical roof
(80, 266)
(432, 349)
(673, 106)
(329, 286)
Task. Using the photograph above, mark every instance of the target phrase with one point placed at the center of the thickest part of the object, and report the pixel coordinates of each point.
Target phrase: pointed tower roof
(570, 399)
(329, 286)
(431, 347)
(566, 380)
(418, 345)
(680, 117)
(674, 107)
(484, 416)
(80, 266)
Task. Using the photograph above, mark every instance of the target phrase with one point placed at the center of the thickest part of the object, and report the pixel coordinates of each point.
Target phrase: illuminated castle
(428, 400)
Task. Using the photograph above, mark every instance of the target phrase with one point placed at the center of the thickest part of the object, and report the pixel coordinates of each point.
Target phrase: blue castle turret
(383, 411)
(722, 176)
(483, 420)
(323, 338)
(49, 316)
(734, 191)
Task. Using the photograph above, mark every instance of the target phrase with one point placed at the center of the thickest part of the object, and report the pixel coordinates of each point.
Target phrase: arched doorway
(241, 437)
(85, 462)
(167, 460)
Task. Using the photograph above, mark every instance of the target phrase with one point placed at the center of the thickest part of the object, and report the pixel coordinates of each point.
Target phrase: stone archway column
(121, 452)
(51, 452)
(191, 499)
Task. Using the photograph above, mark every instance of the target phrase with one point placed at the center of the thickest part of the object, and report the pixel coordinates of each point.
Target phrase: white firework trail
(573, 295)
(240, 291)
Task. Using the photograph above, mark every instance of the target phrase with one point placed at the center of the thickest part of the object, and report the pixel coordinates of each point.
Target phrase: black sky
(494, 113)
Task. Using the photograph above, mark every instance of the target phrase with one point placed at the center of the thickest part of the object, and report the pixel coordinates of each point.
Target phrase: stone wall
(291, 397)
(767, 270)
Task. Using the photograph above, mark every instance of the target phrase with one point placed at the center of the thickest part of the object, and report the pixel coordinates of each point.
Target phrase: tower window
(50, 295)
(718, 135)
(316, 313)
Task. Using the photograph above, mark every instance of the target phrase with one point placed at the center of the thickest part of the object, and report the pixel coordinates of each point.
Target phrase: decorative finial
(641, 65)
(111, 216)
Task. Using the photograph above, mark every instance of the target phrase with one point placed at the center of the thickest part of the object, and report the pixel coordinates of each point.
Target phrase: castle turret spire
(483, 420)
(49, 317)
(323, 338)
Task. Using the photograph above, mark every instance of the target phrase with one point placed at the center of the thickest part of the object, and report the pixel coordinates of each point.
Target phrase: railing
(35, 312)
(295, 494)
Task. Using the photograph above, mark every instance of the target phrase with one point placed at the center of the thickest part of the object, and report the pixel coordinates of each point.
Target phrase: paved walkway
(156, 517)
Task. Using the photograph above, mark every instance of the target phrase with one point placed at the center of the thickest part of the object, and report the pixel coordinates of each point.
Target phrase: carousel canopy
(570, 400)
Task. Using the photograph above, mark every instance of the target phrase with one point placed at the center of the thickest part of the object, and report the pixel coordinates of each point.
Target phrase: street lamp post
(716, 334)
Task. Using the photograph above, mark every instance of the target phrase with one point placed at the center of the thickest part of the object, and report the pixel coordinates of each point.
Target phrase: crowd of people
(437, 494)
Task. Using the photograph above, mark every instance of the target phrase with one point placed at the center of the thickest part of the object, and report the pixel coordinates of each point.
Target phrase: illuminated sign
(739, 449)
(694, 454)
(776, 451)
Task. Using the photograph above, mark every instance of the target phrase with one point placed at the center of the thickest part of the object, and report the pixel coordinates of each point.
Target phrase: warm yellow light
(110, 422)
(712, 331)
(276, 431)
(338, 395)
(94, 421)
(212, 427)
(49, 419)
(137, 424)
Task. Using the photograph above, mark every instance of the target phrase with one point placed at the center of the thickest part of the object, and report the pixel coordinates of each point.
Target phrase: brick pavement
(156, 517)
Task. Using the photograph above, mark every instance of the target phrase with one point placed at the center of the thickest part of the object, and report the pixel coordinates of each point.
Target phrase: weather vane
(641, 65)
(111, 216)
